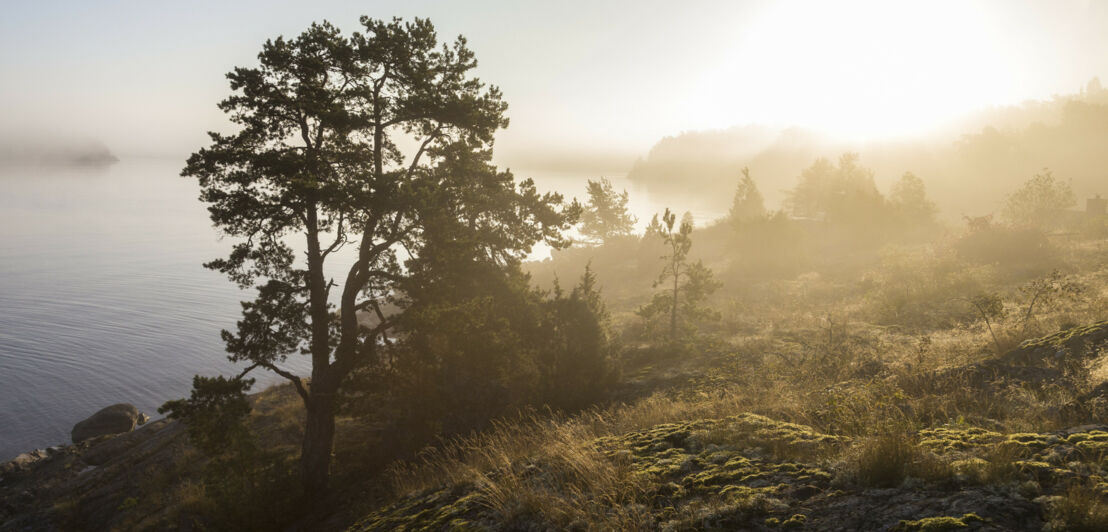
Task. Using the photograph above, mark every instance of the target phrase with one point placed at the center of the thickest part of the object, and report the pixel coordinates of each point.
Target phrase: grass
(886, 460)
(591, 473)
(533, 433)
(1080, 509)
(810, 391)
(643, 463)
(683, 458)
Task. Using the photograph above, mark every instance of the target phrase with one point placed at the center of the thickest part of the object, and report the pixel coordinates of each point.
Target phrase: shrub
(887, 459)
(1021, 250)
(472, 353)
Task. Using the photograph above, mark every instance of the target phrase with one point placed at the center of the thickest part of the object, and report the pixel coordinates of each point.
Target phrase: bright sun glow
(861, 70)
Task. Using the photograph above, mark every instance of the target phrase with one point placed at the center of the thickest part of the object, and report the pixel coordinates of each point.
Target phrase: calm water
(103, 299)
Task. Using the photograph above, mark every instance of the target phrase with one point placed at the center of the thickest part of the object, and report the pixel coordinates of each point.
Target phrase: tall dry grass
(551, 436)
(805, 357)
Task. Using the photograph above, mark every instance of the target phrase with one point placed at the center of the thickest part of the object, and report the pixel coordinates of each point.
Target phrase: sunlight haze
(639, 265)
(142, 78)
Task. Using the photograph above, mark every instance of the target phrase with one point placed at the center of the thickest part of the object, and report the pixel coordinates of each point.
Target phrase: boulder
(102, 452)
(20, 462)
(115, 419)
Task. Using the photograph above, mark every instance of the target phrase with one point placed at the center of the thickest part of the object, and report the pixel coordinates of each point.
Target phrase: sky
(590, 84)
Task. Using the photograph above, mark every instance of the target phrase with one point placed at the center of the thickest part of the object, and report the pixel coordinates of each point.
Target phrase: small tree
(699, 285)
(576, 357)
(909, 200)
(990, 307)
(248, 484)
(1040, 201)
(606, 215)
(679, 242)
(687, 284)
(748, 203)
(1047, 290)
(842, 193)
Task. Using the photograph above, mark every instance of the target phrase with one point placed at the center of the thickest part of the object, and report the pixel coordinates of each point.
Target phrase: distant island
(52, 153)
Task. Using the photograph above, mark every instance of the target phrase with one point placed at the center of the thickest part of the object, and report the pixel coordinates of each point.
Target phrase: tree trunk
(319, 439)
(319, 431)
(673, 309)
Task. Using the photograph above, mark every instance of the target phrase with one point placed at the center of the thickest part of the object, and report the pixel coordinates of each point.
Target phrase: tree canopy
(748, 203)
(908, 199)
(686, 284)
(606, 215)
(1040, 201)
(838, 193)
(317, 168)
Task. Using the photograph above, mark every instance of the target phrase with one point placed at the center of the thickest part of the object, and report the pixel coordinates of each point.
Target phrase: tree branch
(340, 238)
(245, 371)
(288, 375)
(422, 148)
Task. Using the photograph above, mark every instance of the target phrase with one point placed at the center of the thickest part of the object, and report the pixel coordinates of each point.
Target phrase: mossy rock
(953, 439)
(446, 509)
(1076, 342)
(940, 524)
(1030, 441)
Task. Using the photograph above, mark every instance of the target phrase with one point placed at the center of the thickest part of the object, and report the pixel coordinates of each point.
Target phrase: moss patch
(939, 524)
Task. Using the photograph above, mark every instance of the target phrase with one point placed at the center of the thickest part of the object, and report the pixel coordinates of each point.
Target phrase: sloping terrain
(751, 472)
(687, 456)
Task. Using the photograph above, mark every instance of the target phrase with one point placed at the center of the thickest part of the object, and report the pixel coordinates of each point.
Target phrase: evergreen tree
(748, 203)
(605, 215)
(687, 285)
(316, 164)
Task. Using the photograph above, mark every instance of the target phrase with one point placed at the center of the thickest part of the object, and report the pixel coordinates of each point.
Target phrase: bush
(914, 288)
(246, 485)
(470, 354)
(253, 490)
(1014, 249)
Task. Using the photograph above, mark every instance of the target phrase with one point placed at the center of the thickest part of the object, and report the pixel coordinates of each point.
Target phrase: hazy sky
(594, 83)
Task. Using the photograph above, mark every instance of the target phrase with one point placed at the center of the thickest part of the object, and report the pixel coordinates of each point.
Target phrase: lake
(103, 298)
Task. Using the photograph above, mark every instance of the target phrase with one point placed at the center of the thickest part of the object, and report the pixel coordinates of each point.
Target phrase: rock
(107, 449)
(115, 419)
(805, 492)
(18, 463)
(1077, 343)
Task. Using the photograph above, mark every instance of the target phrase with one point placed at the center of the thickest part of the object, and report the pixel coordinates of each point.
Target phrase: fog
(592, 86)
(968, 167)
(568, 265)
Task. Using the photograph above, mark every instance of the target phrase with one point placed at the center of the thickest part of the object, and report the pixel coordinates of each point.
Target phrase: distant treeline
(55, 152)
(1002, 148)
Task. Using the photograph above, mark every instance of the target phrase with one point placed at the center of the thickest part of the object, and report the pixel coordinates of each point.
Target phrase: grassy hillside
(867, 394)
(689, 459)
(858, 389)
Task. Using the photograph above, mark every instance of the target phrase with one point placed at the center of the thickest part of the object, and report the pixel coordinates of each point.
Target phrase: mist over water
(103, 298)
